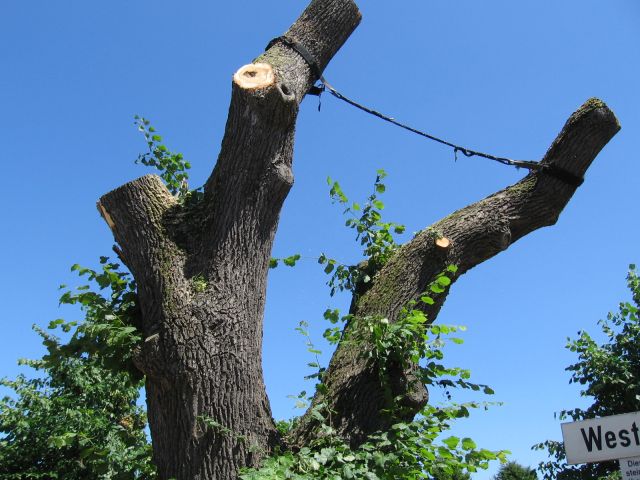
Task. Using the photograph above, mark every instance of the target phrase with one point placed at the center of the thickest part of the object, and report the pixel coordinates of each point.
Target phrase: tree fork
(465, 238)
(202, 351)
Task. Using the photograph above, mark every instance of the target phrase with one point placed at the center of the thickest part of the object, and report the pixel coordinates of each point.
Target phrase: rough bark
(465, 238)
(201, 269)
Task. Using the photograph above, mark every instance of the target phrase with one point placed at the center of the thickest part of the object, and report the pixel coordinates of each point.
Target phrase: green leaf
(451, 442)
(291, 261)
(332, 315)
(54, 323)
(316, 414)
(428, 300)
(468, 444)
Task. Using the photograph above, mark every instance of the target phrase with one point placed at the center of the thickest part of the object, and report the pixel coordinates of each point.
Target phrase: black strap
(300, 50)
(562, 174)
(549, 169)
(316, 90)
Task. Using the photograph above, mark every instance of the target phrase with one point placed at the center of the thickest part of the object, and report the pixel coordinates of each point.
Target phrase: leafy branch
(374, 235)
(172, 165)
(111, 319)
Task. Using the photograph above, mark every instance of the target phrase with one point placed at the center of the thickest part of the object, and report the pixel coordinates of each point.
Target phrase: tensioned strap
(561, 174)
(300, 50)
(553, 170)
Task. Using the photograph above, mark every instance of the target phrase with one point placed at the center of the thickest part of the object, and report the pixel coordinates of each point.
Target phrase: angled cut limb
(465, 238)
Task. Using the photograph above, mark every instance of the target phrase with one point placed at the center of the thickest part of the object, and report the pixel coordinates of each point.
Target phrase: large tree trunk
(201, 268)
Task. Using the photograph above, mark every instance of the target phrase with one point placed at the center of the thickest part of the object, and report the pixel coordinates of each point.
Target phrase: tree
(515, 471)
(200, 264)
(610, 375)
(437, 475)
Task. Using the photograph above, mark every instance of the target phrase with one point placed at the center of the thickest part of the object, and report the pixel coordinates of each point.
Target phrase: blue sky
(497, 76)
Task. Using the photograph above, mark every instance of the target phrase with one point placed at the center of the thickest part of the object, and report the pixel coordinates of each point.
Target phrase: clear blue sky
(498, 76)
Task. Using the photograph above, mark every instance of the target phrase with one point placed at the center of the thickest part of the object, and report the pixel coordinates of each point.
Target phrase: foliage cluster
(374, 235)
(79, 418)
(414, 449)
(515, 471)
(411, 340)
(610, 375)
(172, 166)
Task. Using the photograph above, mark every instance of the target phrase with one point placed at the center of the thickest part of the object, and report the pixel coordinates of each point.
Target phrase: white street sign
(630, 468)
(599, 439)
